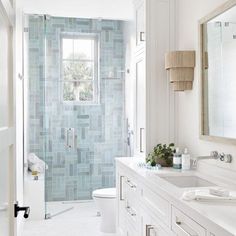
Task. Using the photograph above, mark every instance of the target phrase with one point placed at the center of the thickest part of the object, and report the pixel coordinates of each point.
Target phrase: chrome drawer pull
(121, 188)
(130, 211)
(130, 184)
(148, 229)
(142, 36)
(180, 225)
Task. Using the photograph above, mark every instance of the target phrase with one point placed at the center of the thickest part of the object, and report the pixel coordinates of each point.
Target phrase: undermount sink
(187, 181)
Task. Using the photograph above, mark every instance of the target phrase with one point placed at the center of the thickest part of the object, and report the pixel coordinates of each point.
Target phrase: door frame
(7, 134)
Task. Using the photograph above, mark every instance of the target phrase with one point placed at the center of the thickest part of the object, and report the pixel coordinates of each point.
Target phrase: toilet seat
(105, 193)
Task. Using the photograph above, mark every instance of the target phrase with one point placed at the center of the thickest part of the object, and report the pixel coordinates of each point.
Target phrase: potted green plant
(162, 154)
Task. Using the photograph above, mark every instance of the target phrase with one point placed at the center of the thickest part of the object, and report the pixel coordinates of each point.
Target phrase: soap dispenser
(177, 159)
(186, 162)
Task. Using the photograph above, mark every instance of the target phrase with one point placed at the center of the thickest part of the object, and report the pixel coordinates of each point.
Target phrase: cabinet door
(132, 202)
(140, 22)
(140, 134)
(219, 232)
(183, 225)
(131, 231)
(152, 227)
(121, 204)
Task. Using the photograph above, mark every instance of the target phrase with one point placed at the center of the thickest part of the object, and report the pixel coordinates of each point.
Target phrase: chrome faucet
(227, 158)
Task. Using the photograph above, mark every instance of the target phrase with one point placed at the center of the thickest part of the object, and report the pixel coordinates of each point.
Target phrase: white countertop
(222, 214)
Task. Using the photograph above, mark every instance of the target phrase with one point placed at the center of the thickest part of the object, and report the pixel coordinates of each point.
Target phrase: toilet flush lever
(17, 209)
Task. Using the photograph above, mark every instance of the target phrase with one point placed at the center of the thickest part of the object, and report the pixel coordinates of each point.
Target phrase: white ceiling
(107, 9)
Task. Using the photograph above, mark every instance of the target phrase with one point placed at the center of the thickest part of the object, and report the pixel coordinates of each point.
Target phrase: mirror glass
(219, 75)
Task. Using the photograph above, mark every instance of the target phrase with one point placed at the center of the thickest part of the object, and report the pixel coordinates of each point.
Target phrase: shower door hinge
(46, 17)
(20, 76)
(26, 29)
(47, 216)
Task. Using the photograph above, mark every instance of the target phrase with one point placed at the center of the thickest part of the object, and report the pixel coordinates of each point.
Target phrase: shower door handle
(70, 137)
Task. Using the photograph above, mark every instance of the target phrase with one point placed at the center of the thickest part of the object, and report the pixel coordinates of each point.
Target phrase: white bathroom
(117, 118)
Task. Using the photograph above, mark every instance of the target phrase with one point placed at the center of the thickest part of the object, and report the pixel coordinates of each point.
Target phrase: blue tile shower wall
(99, 129)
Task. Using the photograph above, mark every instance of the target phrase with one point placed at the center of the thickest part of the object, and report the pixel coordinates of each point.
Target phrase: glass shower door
(61, 140)
(69, 96)
(83, 108)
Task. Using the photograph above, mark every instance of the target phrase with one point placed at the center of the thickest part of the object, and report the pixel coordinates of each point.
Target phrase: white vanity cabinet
(140, 106)
(156, 204)
(132, 203)
(128, 204)
(145, 209)
(141, 212)
(150, 225)
(121, 204)
(154, 20)
(140, 78)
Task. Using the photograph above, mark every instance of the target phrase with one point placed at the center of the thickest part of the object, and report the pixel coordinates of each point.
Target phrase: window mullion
(78, 80)
(79, 60)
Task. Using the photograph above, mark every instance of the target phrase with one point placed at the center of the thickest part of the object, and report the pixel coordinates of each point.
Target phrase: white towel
(36, 164)
(204, 195)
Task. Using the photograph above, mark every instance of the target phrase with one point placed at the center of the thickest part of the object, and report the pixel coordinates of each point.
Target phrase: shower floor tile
(79, 221)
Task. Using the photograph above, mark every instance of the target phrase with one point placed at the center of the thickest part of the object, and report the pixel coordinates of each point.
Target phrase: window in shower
(79, 63)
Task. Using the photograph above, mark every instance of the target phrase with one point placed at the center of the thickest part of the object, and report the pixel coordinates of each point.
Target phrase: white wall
(107, 9)
(187, 117)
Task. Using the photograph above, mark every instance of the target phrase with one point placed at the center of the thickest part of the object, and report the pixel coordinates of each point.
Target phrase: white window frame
(96, 79)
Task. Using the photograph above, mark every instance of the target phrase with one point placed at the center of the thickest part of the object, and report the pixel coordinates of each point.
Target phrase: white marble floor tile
(80, 221)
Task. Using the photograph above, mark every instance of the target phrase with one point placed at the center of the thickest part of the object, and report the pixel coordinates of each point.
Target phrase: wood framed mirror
(218, 74)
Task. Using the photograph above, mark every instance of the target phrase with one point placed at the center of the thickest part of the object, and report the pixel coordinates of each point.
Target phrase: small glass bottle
(186, 160)
(177, 159)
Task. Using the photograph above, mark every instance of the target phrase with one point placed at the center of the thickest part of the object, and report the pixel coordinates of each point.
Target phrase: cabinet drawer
(151, 225)
(131, 231)
(131, 185)
(155, 203)
(132, 206)
(132, 191)
(132, 216)
(131, 198)
(182, 225)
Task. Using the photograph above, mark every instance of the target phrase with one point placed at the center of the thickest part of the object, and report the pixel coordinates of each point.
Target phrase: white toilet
(105, 200)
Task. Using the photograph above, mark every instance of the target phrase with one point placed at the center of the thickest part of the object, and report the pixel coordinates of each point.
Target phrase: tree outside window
(80, 68)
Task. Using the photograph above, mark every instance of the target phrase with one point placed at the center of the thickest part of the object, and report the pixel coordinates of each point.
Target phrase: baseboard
(20, 226)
